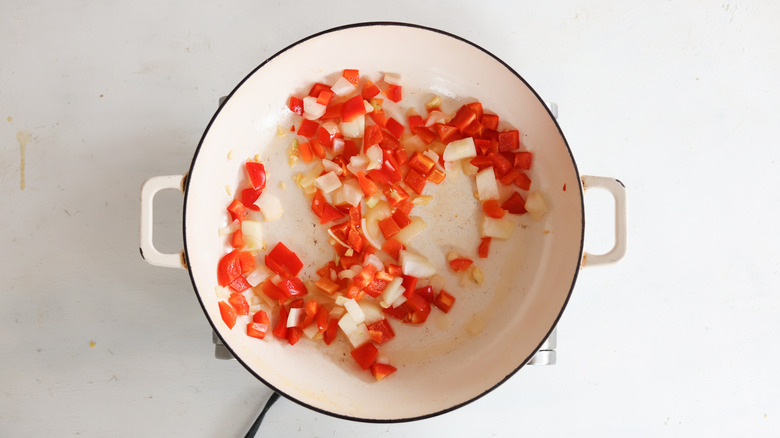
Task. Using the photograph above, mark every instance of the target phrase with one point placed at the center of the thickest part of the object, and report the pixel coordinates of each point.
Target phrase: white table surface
(679, 100)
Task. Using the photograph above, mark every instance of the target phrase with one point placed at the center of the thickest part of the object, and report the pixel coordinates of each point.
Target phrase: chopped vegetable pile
(365, 174)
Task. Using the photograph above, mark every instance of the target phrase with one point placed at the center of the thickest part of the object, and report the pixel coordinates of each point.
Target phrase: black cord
(256, 425)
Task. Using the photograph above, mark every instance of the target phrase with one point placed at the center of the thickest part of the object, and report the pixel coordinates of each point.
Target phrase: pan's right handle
(618, 191)
(148, 192)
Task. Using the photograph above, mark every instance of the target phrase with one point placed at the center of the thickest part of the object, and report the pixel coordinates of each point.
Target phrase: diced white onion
(415, 264)
(437, 282)
(230, 228)
(221, 292)
(337, 312)
(359, 336)
(350, 273)
(402, 299)
(535, 205)
(358, 163)
(295, 317)
(408, 232)
(353, 194)
(392, 291)
(328, 182)
(373, 200)
(392, 78)
(487, 188)
(354, 310)
(354, 128)
(468, 168)
(330, 166)
(342, 87)
(252, 232)
(340, 300)
(311, 331)
(371, 259)
(338, 146)
(367, 234)
(497, 228)
(374, 155)
(308, 179)
(367, 105)
(435, 117)
(371, 311)
(270, 206)
(347, 324)
(311, 109)
(257, 276)
(331, 126)
(460, 149)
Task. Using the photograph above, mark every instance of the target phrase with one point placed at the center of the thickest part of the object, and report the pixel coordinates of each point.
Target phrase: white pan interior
(451, 359)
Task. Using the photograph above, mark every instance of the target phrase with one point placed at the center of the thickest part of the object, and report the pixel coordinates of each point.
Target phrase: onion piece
(252, 232)
(374, 155)
(330, 166)
(354, 310)
(270, 206)
(343, 87)
(331, 126)
(340, 242)
(347, 324)
(257, 276)
(338, 146)
(311, 331)
(230, 228)
(487, 188)
(535, 205)
(392, 78)
(497, 228)
(349, 273)
(371, 311)
(460, 149)
(295, 316)
(415, 264)
(311, 109)
(353, 194)
(435, 117)
(367, 105)
(308, 179)
(354, 128)
(392, 291)
(372, 259)
(328, 182)
(408, 232)
(359, 336)
(402, 299)
(358, 163)
(367, 234)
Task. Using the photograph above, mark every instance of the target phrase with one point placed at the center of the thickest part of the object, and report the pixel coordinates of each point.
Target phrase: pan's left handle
(149, 189)
(618, 192)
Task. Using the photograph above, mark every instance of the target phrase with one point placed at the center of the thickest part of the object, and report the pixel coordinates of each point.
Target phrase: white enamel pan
(494, 328)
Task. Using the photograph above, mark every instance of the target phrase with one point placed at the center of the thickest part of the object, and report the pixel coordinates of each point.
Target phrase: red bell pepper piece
(389, 227)
(321, 319)
(327, 285)
(280, 331)
(380, 331)
(237, 210)
(352, 109)
(489, 121)
(239, 284)
(515, 204)
(310, 312)
(444, 301)
(294, 334)
(426, 292)
(296, 105)
(237, 240)
(401, 218)
(395, 128)
(392, 247)
(421, 163)
(228, 268)
(256, 173)
(394, 92)
(463, 117)
(523, 181)
(460, 264)
(293, 287)
(492, 209)
(382, 370)
(370, 90)
(308, 128)
(365, 355)
(523, 160)
(249, 196)
(238, 301)
(445, 132)
(228, 314)
(258, 328)
(484, 247)
(283, 261)
(331, 331)
(508, 140)
(415, 181)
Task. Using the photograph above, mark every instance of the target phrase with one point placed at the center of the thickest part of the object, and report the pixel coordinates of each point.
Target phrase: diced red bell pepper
(508, 140)
(492, 209)
(327, 285)
(421, 163)
(426, 292)
(237, 210)
(420, 308)
(409, 283)
(304, 150)
(324, 97)
(331, 332)
(375, 288)
(351, 75)
(445, 132)
(308, 128)
(228, 314)
(444, 301)
(510, 177)
(373, 135)
(415, 181)
(474, 129)
(249, 196)
(382, 370)
(310, 312)
(436, 175)
(523, 160)
(321, 319)
(296, 105)
(405, 207)
(395, 195)
(365, 355)
(258, 328)
(489, 121)
(333, 110)
(395, 128)
(401, 218)
(283, 261)
(400, 313)
(325, 138)
(390, 166)
(228, 268)
(316, 148)
(427, 135)
(280, 331)
(378, 116)
(352, 109)
(401, 156)
(523, 181)
(239, 284)
(460, 264)
(366, 185)
(415, 121)
(369, 90)
(293, 287)
(482, 145)
(365, 276)
(237, 240)
(515, 204)
(355, 239)
(380, 331)
(394, 270)
(273, 292)
(294, 335)
(501, 164)
(247, 261)
(392, 247)
(394, 92)
(484, 247)
(476, 107)
(463, 117)
(238, 301)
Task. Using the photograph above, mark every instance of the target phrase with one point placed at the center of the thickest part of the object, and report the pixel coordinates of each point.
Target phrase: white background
(678, 99)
